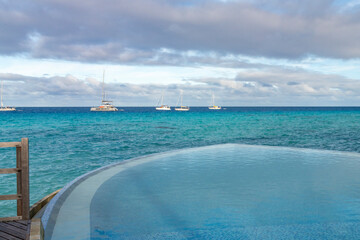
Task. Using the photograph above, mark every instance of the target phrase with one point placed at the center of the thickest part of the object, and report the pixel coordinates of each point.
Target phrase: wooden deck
(20, 226)
(22, 179)
(15, 230)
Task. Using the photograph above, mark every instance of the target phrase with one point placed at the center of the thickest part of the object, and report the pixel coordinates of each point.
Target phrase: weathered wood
(37, 230)
(22, 178)
(15, 230)
(25, 178)
(9, 170)
(7, 236)
(24, 222)
(41, 203)
(4, 227)
(10, 197)
(18, 225)
(10, 218)
(9, 144)
(18, 180)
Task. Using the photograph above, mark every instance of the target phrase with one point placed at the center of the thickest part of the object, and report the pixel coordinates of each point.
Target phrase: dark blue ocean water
(68, 142)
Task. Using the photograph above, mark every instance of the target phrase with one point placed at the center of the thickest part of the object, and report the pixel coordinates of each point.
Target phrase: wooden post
(22, 179)
(18, 180)
(25, 178)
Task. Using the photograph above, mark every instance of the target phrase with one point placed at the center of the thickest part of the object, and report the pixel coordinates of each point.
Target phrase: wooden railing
(22, 179)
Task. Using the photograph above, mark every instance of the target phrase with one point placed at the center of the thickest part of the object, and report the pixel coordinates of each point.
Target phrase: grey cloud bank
(277, 87)
(262, 41)
(135, 31)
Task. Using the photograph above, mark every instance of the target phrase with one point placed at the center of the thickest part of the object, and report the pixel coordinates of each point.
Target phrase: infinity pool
(218, 192)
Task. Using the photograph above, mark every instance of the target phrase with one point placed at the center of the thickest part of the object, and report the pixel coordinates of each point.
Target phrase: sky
(246, 52)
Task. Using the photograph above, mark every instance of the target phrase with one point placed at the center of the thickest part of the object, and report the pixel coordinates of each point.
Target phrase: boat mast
(103, 87)
(162, 98)
(213, 99)
(181, 98)
(1, 93)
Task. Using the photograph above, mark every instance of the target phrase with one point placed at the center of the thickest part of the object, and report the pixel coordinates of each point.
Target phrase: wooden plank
(18, 225)
(28, 232)
(10, 197)
(28, 229)
(36, 230)
(10, 218)
(9, 170)
(24, 222)
(36, 207)
(25, 178)
(9, 144)
(7, 236)
(6, 228)
(18, 180)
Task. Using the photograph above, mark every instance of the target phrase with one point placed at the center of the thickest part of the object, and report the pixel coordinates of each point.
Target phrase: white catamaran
(106, 105)
(182, 108)
(2, 108)
(162, 107)
(213, 106)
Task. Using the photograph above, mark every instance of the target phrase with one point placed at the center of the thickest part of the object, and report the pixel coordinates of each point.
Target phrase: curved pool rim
(52, 209)
(54, 205)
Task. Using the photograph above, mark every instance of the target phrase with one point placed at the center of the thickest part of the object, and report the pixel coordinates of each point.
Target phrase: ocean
(70, 141)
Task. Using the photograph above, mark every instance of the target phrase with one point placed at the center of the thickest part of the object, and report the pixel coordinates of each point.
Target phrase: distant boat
(213, 106)
(162, 107)
(106, 105)
(182, 108)
(2, 108)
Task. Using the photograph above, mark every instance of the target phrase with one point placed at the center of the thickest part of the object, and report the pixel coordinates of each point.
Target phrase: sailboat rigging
(2, 108)
(213, 106)
(106, 105)
(162, 107)
(182, 108)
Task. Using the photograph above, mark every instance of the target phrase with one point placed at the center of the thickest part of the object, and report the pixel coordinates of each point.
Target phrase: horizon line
(190, 106)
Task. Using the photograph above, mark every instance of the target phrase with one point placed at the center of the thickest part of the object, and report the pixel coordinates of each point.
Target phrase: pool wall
(52, 215)
(52, 209)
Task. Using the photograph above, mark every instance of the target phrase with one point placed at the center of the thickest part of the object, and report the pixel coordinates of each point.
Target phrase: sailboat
(106, 105)
(182, 108)
(162, 107)
(213, 106)
(2, 108)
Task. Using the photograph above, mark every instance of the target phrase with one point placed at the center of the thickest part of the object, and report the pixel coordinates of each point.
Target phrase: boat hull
(97, 109)
(163, 108)
(182, 109)
(7, 109)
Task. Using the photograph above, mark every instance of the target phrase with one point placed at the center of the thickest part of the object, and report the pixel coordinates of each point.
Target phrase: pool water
(228, 191)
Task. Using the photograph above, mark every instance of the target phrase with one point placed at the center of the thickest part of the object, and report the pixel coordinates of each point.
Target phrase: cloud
(262, 87)
(135, 32)
(281, 86)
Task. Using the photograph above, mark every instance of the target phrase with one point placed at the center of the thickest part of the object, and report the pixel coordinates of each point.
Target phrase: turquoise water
(227, 191)
(68, 142)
